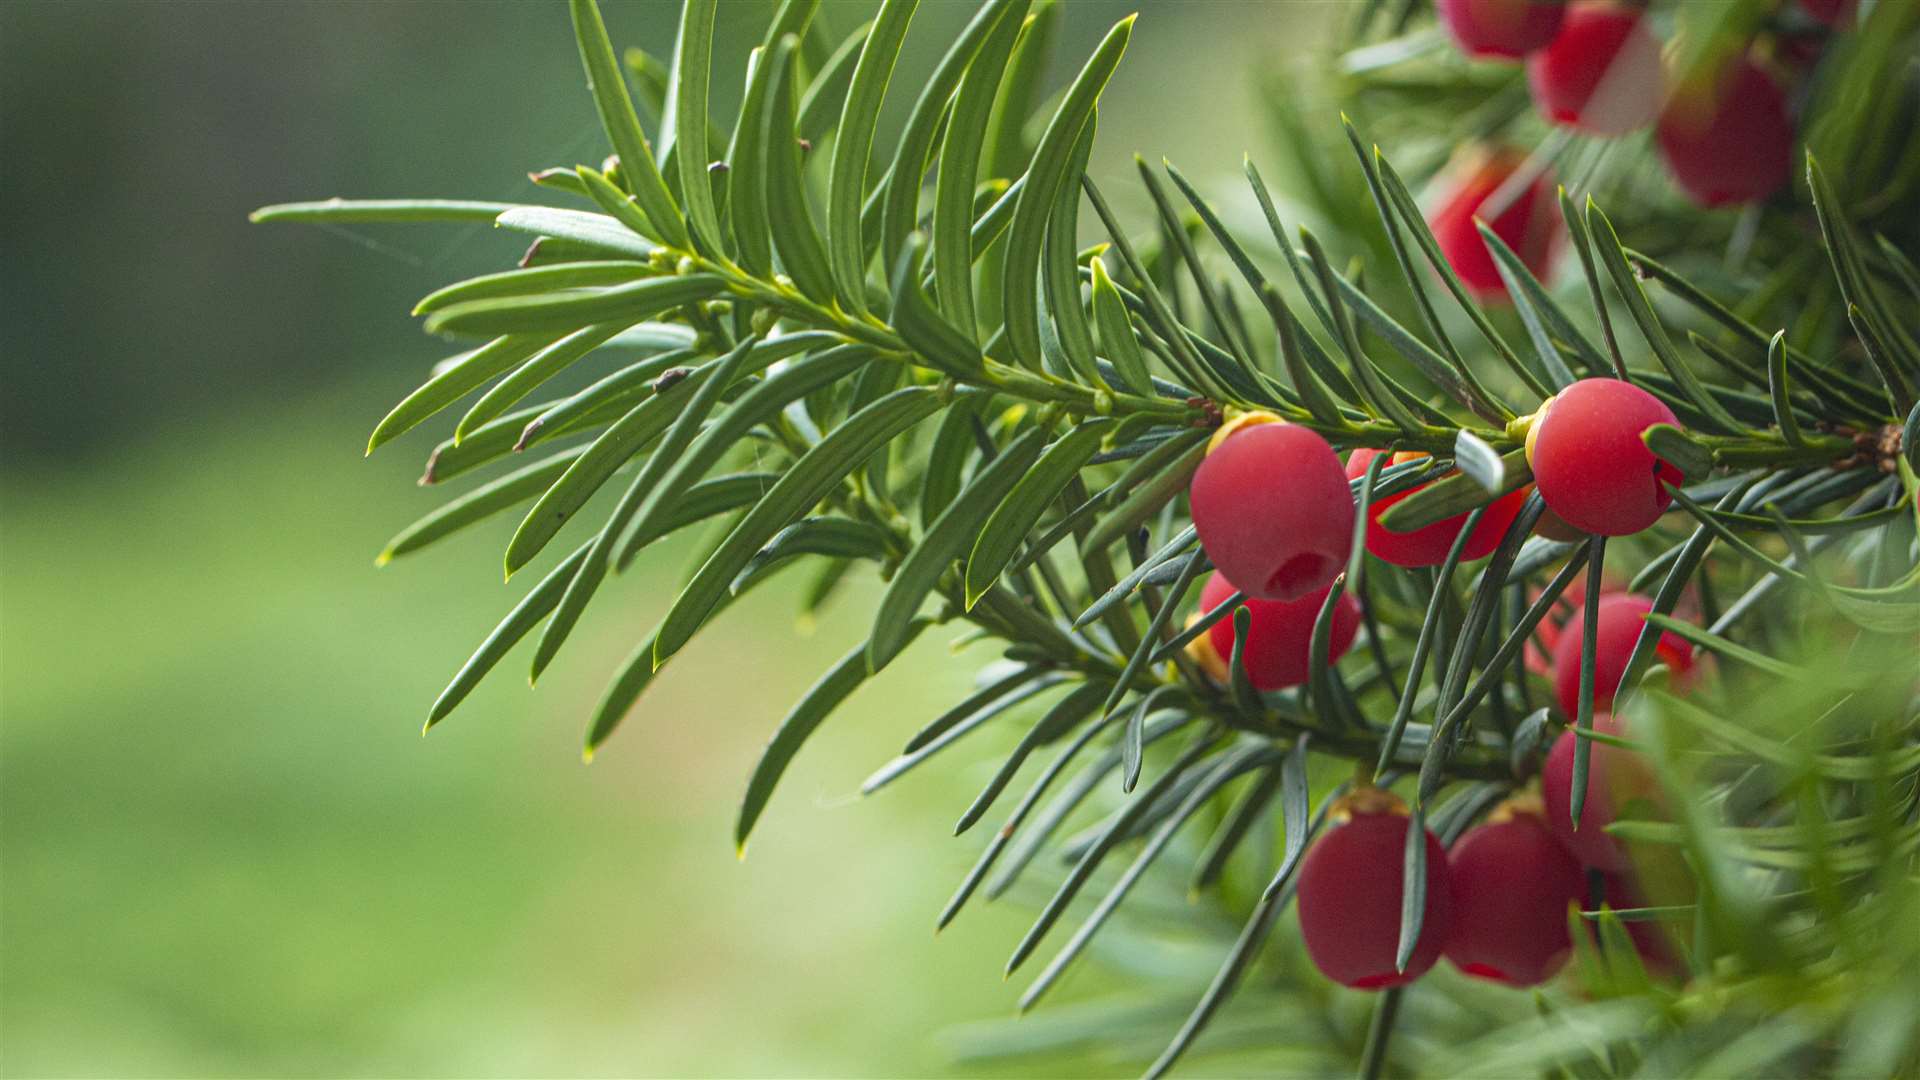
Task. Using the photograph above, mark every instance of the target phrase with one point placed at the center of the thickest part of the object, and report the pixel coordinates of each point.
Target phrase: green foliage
(918, 380)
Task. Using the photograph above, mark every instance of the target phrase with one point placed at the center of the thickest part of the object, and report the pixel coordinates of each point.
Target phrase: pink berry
(1428, 545)
(1602, 74)
(1280, 635)
(1588, 460)
(1831, 12)
(1528, 220)
(1730, 139)
(1350, 888)
(1621, 618)
(1615, 777)
(1512, 884)
(1273, 510)
(1507, 29)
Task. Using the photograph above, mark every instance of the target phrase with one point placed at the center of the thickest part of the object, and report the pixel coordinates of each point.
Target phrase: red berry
(1350, 888)
(1273, 510)
(1588, 460)
(1615, 777)
(1528, 220)
(1602, 73)
(1501, 28)
(1512, 883)
(1428, 545)
(1831, 12)
(1731, 141)
(1621, 618)
(1280, 635)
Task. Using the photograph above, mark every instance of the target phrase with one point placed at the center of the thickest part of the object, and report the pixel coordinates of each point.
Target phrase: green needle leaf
(530, 610)
(601, 232)
(819, 702)
(692, 68)
(717, 379)
(479, 504)
(809, 480)
(456, 379)
(853, 146)
(1781, 391)
(1613, 256)
(1590, 635)
(564, 312)
(758, 405)
(1481, 462)
(947, 540)
(349, 211)
(960, 151)
(1413, 889)
(788, 213)
(1027, 234)
(637, 167)
(1020, 511)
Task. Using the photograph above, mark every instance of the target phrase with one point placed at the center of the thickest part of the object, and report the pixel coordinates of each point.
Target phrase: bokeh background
(225, 848)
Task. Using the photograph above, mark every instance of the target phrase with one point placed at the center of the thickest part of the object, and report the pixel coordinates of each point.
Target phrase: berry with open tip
(1272, 507)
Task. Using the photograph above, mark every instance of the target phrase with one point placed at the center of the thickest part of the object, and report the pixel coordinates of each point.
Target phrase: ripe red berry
(1831, 12)
(1428, 545)
(1621, 618)
(1615, 777)
(1501, 28)
(1273, 509)
(1279, 636)
(1350, 889)
(1728, 139)
(1588, 460)
(1527, 219)
(1602, 74)
(1512, 883)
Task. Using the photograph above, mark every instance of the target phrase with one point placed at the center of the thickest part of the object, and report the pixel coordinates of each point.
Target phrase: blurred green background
(226, 848)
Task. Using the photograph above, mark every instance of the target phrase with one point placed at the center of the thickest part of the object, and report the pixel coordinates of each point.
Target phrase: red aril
(1521, 209)
(1602, 74)
(1279, 635)
(1512, 885)
(1728, 139)
(1272, 507)
(1589, 462)
(1501, 29)
(1350, 890)
(1621, 617)
(1428, 545)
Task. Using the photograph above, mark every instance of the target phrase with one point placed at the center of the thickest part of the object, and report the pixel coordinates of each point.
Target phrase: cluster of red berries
(1725, 133)
(1274, 510)
(1275, 514)
(1496, 903)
